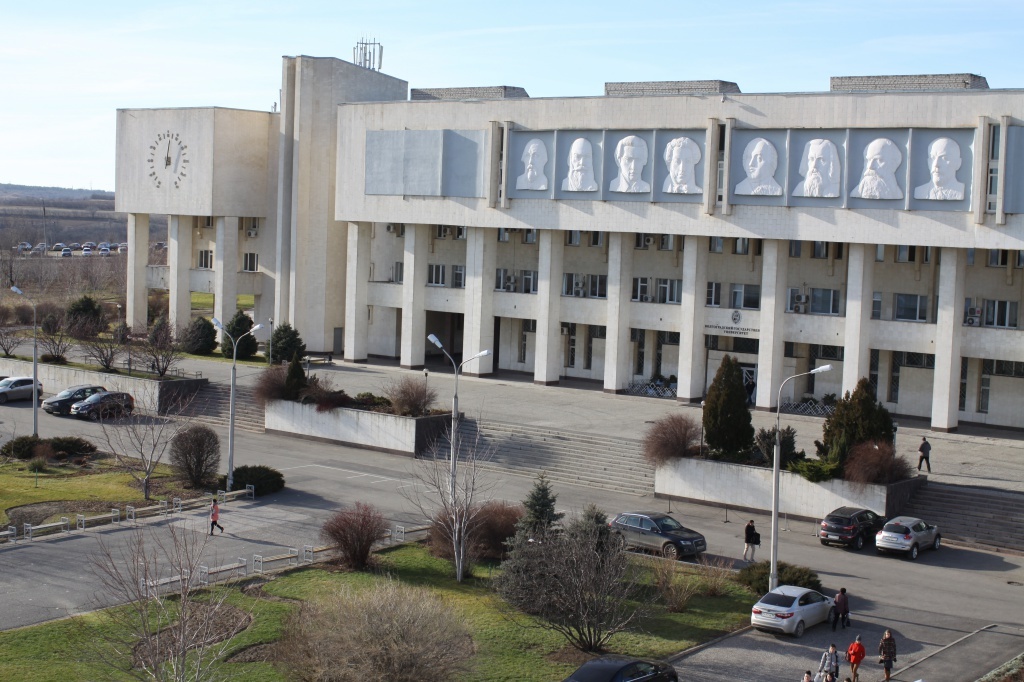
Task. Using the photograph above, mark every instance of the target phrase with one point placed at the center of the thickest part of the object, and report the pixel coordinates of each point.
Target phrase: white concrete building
(876, 227)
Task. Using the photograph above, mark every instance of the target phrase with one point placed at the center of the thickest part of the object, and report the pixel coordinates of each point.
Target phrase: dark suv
(658, 532)
(850, 526)
(62, 402)
(104, 406)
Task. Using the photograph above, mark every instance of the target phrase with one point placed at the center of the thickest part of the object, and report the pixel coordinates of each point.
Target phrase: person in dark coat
(887, 653)
(841, 613)
(751, 539)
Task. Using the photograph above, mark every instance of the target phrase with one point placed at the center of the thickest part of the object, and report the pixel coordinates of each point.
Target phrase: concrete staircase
(979, 516)
(212, 406)
(579, 458)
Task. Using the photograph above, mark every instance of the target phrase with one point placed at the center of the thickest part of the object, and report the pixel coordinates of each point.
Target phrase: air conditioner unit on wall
(391, 227)
(646, 298)
(252, 233)
(974, 312)
(648, 241)
(801, 298)
(510, 286)
(973, 321)
(446, 231)
(800, 308)
(565, 331)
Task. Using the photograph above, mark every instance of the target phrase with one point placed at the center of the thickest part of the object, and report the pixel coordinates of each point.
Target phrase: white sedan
(790, 610)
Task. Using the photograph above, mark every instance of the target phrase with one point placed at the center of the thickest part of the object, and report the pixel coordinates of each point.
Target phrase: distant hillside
(22, 192)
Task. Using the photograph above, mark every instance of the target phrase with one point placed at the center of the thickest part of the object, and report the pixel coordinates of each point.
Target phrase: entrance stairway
(212, 405)
(596, 461)
(988, 518)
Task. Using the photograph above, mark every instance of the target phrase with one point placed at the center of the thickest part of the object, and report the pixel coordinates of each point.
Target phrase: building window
(1001, 314)
(458, 276)
(983, 391)
(398, 274)
(792, 299)
(642, 240)
(670, 290)
(523, 331)
(205, 260)
(747, 296)
(875, 357)
(597, 238)
(744, 345)
(715, 244)
(795, 247)
(962, 403)
(1003, 368)
(880, 253)
(503, 280)
(906, 254)
(529, 281)
(829, 353)
(642, 289)
(895, 360)
(970, 256)
(927, 256)
(741, 247)
(911, 308)
(998, 258)
(435, 275)
(594, 331)
(666, 242)
(460, 232)
(529, 236)
(820, 250)
(714, 297)
(1020, 259)
(876, 305)
(502, 234)
(572, 238)
(530, 326)
(598, 286)
(441, 231)
(574, 284)
(992, 186)
(250, 262)
(825, 301)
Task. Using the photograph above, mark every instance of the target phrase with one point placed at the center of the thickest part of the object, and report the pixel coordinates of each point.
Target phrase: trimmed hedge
(265, 479)
(62, 447)
(755, 576)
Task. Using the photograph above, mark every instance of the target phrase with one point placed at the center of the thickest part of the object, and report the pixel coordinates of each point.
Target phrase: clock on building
(167, 158)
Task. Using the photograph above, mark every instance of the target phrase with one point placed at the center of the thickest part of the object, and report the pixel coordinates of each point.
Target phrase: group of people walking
(828, 668)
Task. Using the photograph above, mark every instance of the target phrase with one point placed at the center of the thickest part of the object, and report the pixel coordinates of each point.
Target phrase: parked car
(791, 610)
(104, 245)
(91, 245)
(104, 406)
(613, 668)
(850, 526)
(907, 535)
(24, 246)
(104, 251)
(657, 532)
(62, 402)
(65, 252)
(123, 248)
(59, 246)
(18, 388)
(75, 246)
(86, 250)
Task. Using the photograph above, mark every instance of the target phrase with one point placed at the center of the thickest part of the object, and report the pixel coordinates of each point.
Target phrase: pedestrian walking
(924, 454)
(215, 517)
(807, 677)
(855, 653)
(841, 612)
(830, 662)
(887, 653)
(751, 539)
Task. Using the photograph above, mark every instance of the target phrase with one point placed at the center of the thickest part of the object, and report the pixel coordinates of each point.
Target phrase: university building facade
(647, 233)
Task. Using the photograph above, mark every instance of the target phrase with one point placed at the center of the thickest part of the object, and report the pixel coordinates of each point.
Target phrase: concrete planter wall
(386, 432)
(750, 487)
(149, 395)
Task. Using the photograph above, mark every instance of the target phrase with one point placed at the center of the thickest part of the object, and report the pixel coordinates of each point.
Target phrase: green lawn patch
(204, 301)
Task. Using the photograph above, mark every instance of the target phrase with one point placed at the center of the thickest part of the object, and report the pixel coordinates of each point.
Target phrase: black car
(614, 668)
(62, 402)
(104, 406)
(850, 526)
(658, 532)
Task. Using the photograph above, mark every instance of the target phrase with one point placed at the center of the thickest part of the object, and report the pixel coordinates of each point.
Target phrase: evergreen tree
(286, 343)
(200, 337)
(237, 327)
(85, 318)
(295, 380)
(160, 334)
(857, 418)
(727, 424)
(540, 507)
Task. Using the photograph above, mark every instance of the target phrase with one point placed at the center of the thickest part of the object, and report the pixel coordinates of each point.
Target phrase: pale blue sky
(66, 67)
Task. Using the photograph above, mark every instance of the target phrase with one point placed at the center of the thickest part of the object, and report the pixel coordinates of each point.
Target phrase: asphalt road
(929, 604)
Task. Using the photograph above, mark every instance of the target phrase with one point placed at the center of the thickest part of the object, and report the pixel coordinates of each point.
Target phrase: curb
(686, 653)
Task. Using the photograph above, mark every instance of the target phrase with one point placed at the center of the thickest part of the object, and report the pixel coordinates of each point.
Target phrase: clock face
(167, 158)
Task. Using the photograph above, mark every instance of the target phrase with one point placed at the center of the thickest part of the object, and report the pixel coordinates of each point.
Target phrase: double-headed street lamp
(35, 363)
(455, 406)
(231, 413)
(773, 577)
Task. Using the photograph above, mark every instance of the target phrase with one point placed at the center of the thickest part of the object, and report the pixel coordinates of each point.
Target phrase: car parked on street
(104, 406)
(75, 246)
(104, 251)
(907, 535)
(86, 250)
(614, 668)
(791, 610)
(65, 252)
(18, 388)
(658, 532)
(850, 526)
(91, 245)
(62, 402)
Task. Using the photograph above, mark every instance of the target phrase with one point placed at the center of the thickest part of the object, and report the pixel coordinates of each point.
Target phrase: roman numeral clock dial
(167, 159)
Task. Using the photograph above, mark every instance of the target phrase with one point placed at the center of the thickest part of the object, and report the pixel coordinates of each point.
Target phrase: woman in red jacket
(855, 653)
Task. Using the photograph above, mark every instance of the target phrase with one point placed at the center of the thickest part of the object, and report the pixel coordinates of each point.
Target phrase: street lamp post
(231, 412)
(773, 577)
(35, 363)
(270, 353)
(702, 404)
(455, 406)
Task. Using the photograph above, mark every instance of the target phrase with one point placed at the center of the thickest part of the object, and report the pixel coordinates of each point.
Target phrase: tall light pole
(773, 577)
(231, 413)
(35, 361)
(270, 353)
(455, 406)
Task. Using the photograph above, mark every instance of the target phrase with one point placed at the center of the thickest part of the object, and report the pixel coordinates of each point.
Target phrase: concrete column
(617, 356)
(859, 298)
(771, 344)
(478, 332)
(414, 314)
(357, 325)
(547, 366)
(138, 259)
(225, 274)
(692, 356)
(179, 262)
(946, 387)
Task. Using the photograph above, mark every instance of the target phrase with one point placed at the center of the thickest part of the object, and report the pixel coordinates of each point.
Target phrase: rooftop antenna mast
(368, 54)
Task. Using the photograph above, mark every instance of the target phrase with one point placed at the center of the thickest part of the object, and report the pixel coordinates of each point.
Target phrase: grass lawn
(204, 301)
(505, 651)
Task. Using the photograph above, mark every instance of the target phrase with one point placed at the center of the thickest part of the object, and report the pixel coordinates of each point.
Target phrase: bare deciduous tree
(54, 336)
(195, 454)
(9, 340)
(170, 632)
(158, 347)
(105, 350)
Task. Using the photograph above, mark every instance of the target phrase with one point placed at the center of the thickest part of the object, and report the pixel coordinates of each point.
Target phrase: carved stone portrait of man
(535, 156)
(820, 169)
(881, 160)
(630, 157)
(760, 161)
(943, 163)
(681, 157)
(581, 167)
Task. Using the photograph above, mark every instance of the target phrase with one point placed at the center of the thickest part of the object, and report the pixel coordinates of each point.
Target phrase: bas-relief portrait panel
(531, 164)
(758, 162)
(679, 164)
(579, 166)
(628, 164)
(878, 166)
(941, 169)
(816, 167)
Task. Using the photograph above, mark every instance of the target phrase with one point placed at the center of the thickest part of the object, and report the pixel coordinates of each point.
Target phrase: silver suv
(908, 535)
(17, 388)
